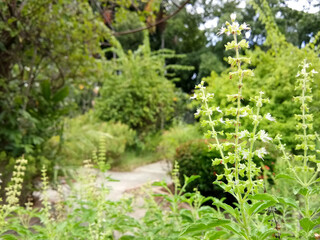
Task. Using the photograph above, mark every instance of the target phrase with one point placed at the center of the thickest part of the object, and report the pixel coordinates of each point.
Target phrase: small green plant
(304, 168)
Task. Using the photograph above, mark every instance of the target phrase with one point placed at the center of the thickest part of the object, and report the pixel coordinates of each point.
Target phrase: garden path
(128, 181)
(125, 184)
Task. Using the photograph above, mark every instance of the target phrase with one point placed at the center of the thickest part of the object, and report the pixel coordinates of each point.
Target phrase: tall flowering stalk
(13, 192)
(240, 172)
(303, 172)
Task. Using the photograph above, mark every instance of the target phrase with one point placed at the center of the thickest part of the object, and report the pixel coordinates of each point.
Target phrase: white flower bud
(269, 117)
(233, 17)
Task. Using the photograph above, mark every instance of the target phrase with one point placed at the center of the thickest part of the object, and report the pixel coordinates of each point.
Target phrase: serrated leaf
(234, 228)
(186, 215)
(254, 207)
(303, 191)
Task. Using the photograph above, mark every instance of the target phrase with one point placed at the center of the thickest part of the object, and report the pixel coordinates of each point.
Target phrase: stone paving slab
(137, 178)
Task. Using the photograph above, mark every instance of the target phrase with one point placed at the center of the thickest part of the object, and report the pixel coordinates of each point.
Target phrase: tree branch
(154, 24)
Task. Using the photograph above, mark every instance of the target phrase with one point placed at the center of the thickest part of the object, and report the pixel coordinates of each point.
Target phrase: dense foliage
(42, 55)
(47, 48)
(136, 92)
(195, 158)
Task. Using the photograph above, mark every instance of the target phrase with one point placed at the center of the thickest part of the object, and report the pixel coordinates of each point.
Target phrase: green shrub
(174, 137)
(137, 92)
(82, 135)
(195, 158)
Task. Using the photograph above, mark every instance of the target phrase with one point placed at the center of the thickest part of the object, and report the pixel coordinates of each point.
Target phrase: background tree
(47, 48)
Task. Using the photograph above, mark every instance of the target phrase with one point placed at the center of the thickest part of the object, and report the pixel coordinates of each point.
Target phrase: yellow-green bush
(172, 138)
(81, 137)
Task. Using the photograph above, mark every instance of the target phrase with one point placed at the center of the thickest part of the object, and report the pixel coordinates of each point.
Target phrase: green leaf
(254, 207)
(61, 94)
(186, 215)
(226, 207)
(288, 201)
(214, 235)
(2, 46)
(262, 207)
(198, 228)
(266, 234)
(8, 237)
(126, 237)
(285, 176)
(235, 229)
(46, 89)
(263, 196)
(159, 184)
(301, 190)
(314, 190)
(307, 224)
(190, 179)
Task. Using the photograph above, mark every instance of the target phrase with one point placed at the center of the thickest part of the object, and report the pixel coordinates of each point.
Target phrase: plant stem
(307, 206)
(244, 220)
(237, 154)
(237, 157)
(213, 129)
(305, 142)
(290, 166)
(252, 145)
